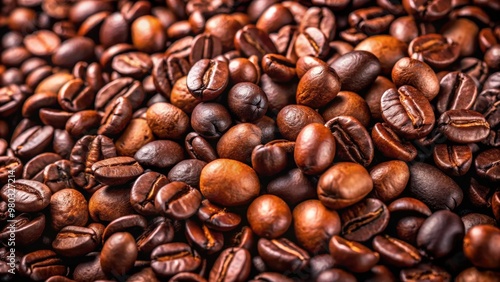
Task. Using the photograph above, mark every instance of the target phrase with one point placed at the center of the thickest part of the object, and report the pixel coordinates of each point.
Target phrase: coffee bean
(474, 274)
(282, 255)
(396, 252)
(117, 170)
(203, 238)
(199, 148)
(42, 43)
(247, 137)
(463, 126)
(121, 87)
(74, 241)
(453, 159)
(353, 142)
(118, 254)
(389, 180)
(28, 228)
(292, 118)
(172, 258)
(428, 11)
(187, 171)
(311, 42)
(221, 185)
(348, 103)
(457, 91)
(161, 154)
(247, 101)
(424, 271)
(407, 112)
(434, 49)
(205, 46)
(357, 70)
(29, 195)
(321, 18)
(133, 64)
(251, 40)
(68, 207)
(177, 200)
(318, 87)
(413, 72)
(233, 264)
(158, 232)
(438, 240)
(42, 264)
(269, 216)
(314, 140)
(32, 141)
(478, 247)
(390, 145)
(373, 20)
(136, 134)
(207, 79)
(304, 187)
(336, 188)
(364, 220)
(445, 193)
(73, 50)
(314, 225)
(167, 121)
(352, 255)
(487, 164)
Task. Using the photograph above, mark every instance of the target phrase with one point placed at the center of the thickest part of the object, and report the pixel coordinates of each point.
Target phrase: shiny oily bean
(407, 112)
(207, 79)
(74, 241)
(216, 217)
(281, 255)
(172, 258)
(117, 170)
(29, 195)
(269, 216)
(463, 126)
(487, 164)
(424, 272)
(353, 142)
(479, 247)
(457, 91)
(391, 145)
(118, 254)
(317, 87)
(42, 264)
(454, 160)
(396, 252)
(389, 180)
(177, 200)
(435, 50)
(278, 67)
(233, 264)
(314, 149)
(408, 71)
(363, 220)
(352, 255)
(133, 224)
(203, 238)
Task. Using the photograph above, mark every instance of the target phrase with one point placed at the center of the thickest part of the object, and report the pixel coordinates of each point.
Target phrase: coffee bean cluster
(266, 140)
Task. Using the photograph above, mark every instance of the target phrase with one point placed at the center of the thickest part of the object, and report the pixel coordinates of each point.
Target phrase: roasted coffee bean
(486, 164)
(389, 180)
(33, 169)
(408, 71)
(248, 136)
(32, 141)
(304, 187)
(364, 220)
(136, 134)
(321, 18)
(210, 120)
(318, 87)
(177, 200)
(243, 70)
(474, 274)
(68, 207)
(73, 50)
(83, 123)
(477, 246)
(251, 40)
(36, 102)
(118, 114)
(29, 227)
(122, 87)
(278, 67)
(203, 238)
(292, 118)
(74, 241)
(158, 232)
(353, 142)
(117, 170)
(390, 145)
(10, 167)
(167, 121)
(434, 49)
(312, 42)
(357, 70)
(444, 194)
(144, 191)
(337, 188)
(424, 271)
(199, 148)
(282, 255)
(216, 217)
(233, 264)
(57, 176)
(463, 126)
(352, 255)
(162, 154)
(118, 254)
(28, 195)
(373, 20)
(407, 112)
(348, 103)
(172, 258)
(269, 216)
(396, 252)
(440, 234)
(247, 101)
(205, 46)
(314, 225)
(187, 171)
(453, 159)
(219, 182)
(133, 224)
(207, 79)
(42, 264)
(313, 141)
(458, 91)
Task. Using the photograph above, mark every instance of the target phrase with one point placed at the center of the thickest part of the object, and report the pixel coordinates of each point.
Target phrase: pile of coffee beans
(239, 140)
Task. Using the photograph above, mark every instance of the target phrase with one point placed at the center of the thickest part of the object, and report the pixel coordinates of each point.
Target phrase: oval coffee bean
(117, 170)
(207, 79)
(28, 195)
(396, 252)
(314, 149)
(352, 255)
(463, 126)
(233, 264)
(177, 200)
(363, 220)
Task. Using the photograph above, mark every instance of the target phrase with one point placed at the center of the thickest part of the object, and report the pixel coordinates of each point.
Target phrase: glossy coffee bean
(269, 216)
(161, 154)
(187, 171)
(42, 264)
(363, 220)
(479, 248)
(352, 255)
(389, 180)
(29, 227)
(348, 103)
(233, 264)
(463, 126)
(387, 49)
(458, 91)
(177, 200)
(317, 87)
(216, 217)
(239, 141)
(74, 241)
(292, 118)
(453, 159)
(314, 224)
(68, 207)
(211, 120)
(434, 49)
(29, 195)
(343, 185)
(247, 101)
(167, 121)
(486, 164)
(427, 11)
(413, 72)
(220, 183)
(207, 79)
(116, 171)
(314, 149)
(357, 70)
(251, 40)
(282, 255)
(353, 142)
(424, 271)
(396, 252)
(118, 254)
(203, 238)
(391, 145)
(438, 240)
